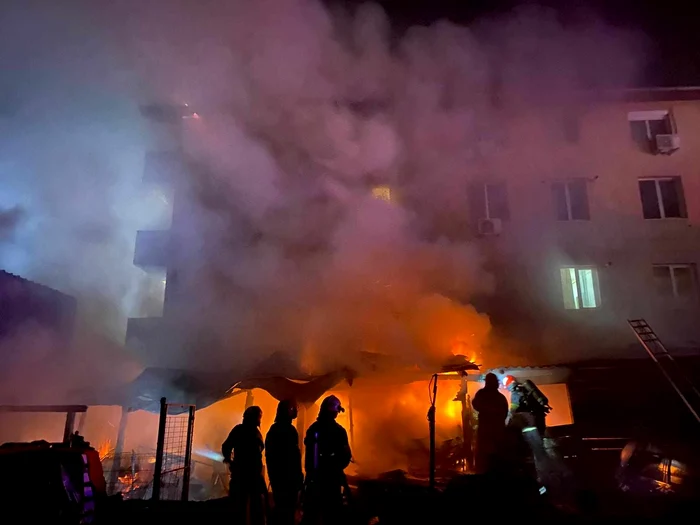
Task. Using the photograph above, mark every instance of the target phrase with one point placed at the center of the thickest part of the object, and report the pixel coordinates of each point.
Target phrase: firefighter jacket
(283, 456)
(327, 451)
(246, 443)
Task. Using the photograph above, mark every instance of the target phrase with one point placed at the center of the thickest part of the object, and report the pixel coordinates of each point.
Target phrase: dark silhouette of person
(327, 455)
(247, 489)
(283, 459)
(492, 407)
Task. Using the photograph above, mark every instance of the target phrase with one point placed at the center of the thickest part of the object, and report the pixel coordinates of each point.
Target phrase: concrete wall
(617, 239)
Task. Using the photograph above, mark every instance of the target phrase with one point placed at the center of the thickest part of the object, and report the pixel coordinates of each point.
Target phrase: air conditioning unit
(667, 144)
(489, 226)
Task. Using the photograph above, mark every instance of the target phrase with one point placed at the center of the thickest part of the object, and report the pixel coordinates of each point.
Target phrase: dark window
(662, 198)
(662, 281)
(644, 131)
(571, 200)
(489, 201)
(674, 280)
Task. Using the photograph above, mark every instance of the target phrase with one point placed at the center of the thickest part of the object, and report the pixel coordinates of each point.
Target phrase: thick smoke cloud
(303, 111)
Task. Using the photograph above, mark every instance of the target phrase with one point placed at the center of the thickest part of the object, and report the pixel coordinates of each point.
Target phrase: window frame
(567, 183)
(596, 286)
(683, 212)
(648, 143)
(482, 188)
(487, 201)
(650, 116)
(674, 284)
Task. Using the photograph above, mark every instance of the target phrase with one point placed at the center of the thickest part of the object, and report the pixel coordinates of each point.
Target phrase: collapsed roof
(282, 379)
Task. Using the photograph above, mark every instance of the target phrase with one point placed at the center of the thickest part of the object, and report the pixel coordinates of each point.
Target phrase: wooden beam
(44, 408)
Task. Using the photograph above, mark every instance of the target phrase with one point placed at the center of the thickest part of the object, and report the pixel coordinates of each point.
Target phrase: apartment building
(599, 228)
(588, 216)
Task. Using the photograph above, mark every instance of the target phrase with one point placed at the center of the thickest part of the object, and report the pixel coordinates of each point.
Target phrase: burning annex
(295, 262)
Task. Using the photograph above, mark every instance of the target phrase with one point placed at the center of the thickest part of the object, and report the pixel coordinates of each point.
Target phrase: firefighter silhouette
(492, 408)
(247, 490)
(327, 455)
(283, 459)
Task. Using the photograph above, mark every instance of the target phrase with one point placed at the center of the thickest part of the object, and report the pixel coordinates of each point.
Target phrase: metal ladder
(673, 373)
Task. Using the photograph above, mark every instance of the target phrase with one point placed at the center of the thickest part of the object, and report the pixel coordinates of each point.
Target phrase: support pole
(249, 399)
(467, 435)
(81, 422)
(188, 456)
(431, 427)
(68, 429)
(160, 447)
(119, 449)
(352, 421)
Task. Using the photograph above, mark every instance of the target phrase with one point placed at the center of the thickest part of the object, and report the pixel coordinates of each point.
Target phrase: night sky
(672, 27)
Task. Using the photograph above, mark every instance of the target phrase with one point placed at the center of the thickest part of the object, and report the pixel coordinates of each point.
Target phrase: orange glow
(382, 193)
(453, 411)
(104, 449)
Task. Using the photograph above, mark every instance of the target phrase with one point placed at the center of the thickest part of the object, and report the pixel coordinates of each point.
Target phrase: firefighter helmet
(331, 404)
(508, 381)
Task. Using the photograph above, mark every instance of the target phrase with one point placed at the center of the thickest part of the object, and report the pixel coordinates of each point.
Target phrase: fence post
(68, 429)
(118, 449)
(188, 455)
(159, 450)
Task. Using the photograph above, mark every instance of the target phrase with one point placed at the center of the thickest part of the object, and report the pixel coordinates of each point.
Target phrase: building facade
(29, 306)
(589, 215)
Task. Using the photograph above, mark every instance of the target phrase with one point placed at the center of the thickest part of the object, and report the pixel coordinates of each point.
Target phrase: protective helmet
(508, 381)
(252, 415)
(331, 404)
(287, 409)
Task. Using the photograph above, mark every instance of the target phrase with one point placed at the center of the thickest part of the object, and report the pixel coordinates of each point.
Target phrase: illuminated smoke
(302, 115)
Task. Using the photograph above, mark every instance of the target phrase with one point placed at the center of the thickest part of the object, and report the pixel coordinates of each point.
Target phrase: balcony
(152, 249)
(164, 167)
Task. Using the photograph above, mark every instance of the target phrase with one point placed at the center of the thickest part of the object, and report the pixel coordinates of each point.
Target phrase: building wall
(617, 239)
(528, 306)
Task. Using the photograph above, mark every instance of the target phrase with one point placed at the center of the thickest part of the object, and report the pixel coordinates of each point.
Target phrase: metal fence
(134, 474)
(172, 471)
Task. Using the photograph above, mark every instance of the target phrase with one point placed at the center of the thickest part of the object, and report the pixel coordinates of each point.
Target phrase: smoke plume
(282, 246)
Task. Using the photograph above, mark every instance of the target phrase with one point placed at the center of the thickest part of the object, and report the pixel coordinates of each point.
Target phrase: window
(646, 125)
(571, 200)
(580, 287)
(662, 198)
(382, 193)
(674, 281)
(489, 201)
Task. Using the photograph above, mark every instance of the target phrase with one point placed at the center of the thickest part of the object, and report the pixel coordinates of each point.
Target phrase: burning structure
(346, 202)
(563, 292)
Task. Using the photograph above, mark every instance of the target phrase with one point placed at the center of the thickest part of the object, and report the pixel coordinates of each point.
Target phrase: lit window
(571, 200)
(382, 192)
(675, 281)
(647, 125)
(662, 198)
(580, 287)
(489, 201)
